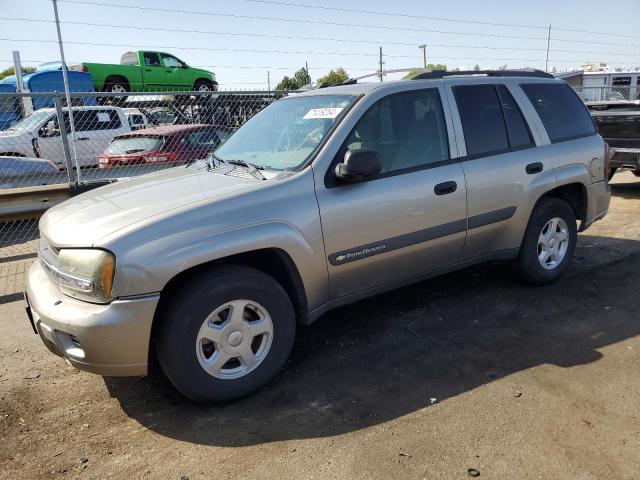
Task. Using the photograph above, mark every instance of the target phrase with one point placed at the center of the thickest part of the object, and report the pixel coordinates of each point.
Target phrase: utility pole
(27, 106)
(65, 79)
(268, 80)
(546, 63)
(424, 54)
(381, 64)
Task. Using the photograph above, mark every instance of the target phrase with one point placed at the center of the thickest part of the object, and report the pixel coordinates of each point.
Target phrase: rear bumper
(110, 340)
(625, 157)
(598, 199)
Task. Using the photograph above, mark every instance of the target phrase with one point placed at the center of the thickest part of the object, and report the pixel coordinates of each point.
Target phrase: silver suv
(321, 199)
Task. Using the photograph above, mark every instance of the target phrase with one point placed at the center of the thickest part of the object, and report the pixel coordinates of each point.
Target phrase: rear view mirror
(358, 165)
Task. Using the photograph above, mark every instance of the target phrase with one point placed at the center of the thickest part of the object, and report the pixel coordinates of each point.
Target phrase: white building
(604, 85)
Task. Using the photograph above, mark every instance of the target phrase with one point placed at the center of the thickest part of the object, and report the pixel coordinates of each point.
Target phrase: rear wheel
(549, 242)
(225, 334)
(118, 86)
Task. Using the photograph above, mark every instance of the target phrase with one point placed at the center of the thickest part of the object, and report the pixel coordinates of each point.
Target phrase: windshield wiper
(212, 160)
(253, 169)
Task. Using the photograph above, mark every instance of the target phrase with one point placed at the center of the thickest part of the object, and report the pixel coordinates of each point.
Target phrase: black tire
(636, 173)
(115, 85)
(612, 172)
(528, 265)
(184, 313)
(203, 85)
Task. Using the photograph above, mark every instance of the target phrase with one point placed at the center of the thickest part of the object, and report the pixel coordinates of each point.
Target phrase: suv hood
(83, 220)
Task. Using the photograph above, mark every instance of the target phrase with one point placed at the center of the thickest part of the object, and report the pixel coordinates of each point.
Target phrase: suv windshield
(285, 134)
(30, 122)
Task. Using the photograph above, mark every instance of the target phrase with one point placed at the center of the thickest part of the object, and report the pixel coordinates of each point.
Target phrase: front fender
(149, 267)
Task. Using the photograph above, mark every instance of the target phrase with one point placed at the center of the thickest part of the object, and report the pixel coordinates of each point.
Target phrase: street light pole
(424, 54)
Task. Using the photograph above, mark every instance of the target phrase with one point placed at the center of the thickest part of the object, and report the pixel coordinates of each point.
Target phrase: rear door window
(563, 114)
(482, 121)
(91, 120)
(151, 59)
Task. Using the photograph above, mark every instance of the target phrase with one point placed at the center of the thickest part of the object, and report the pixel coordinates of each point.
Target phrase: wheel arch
(274, 262)
(575, 194)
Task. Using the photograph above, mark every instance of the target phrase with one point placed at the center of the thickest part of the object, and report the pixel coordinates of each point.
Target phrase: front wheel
(549, 242)
(225, 334)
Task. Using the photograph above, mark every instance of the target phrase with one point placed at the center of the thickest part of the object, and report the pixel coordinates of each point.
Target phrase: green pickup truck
(145, 71)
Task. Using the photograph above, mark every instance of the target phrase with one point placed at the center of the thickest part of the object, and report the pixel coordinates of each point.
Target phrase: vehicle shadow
(397, 353)
(629, 190)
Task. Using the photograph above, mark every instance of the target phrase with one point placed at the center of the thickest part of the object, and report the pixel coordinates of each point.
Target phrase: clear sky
(225, 36)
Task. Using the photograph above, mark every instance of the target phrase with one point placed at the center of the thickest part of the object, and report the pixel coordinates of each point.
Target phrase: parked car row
(108, 136)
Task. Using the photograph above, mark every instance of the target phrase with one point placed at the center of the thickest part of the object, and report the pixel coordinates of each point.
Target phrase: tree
(302, 77)
(476, 68)
(430, 66)
(335, 77)
(299, 79)
(553, 70)
(502, 67)
(11, 71)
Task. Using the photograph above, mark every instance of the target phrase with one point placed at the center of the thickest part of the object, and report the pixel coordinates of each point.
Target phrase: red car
(166, 144)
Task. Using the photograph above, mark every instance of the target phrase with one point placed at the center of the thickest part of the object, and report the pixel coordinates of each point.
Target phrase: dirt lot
(468, 371)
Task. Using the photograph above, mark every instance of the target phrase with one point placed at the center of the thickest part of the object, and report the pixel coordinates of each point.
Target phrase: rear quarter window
(563, 114)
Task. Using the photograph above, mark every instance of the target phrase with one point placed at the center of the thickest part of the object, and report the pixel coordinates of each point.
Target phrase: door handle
(445, 188)
(147, 69)
(536, 167)
(83, 138)
(169, 71)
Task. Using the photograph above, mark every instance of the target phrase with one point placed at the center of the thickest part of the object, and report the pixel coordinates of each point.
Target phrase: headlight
(85, 274)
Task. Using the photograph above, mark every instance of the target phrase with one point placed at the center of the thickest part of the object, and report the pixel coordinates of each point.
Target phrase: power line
(358, 25)
(393, 14)
(424, 17)
(293, 20)
(298, 37)
(288, 52)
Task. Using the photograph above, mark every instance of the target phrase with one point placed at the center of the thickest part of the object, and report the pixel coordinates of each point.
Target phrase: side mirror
(358, 165)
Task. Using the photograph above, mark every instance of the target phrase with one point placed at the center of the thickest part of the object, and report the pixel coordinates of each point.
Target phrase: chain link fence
(607, 94)
(49, 151)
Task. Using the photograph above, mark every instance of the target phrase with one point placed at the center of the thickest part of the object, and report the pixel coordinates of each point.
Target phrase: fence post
(71, 173)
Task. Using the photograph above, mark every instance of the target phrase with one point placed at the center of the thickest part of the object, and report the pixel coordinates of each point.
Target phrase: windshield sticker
(323, 113)
(104, 117)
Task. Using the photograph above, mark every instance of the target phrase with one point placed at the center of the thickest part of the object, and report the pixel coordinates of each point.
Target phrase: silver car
(320, 199)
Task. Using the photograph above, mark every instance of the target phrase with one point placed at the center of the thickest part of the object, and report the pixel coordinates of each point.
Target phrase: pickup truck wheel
(549, 242)
(116, 86)
(636, 173)
(225, 334)
(203, 86)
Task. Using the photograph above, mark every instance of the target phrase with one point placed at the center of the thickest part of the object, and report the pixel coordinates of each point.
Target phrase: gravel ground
(468, 373)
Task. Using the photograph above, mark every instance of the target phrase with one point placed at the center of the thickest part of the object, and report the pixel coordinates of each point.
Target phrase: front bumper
(110, 340)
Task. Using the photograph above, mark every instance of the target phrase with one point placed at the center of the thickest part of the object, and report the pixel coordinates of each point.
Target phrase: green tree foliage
(11, 71)
(476, 68)
(335, 77)
(430, 66)
(298, 80)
